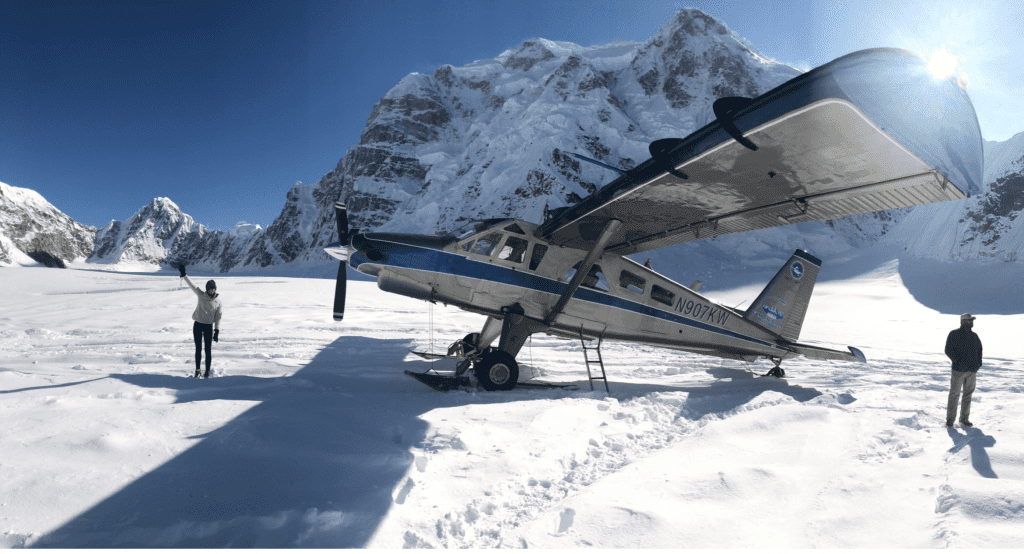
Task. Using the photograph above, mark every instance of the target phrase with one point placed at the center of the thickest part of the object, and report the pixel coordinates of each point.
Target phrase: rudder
(781, 306)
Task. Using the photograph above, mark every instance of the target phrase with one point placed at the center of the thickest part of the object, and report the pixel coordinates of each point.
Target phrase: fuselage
(494, 264)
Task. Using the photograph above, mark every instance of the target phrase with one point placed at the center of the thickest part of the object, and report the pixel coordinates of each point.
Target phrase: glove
(181, 269)
(216, 335)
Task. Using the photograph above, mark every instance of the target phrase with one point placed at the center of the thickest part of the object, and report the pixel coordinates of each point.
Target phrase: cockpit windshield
(473, 227)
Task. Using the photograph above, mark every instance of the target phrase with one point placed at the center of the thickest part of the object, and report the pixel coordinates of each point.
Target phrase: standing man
(964, 349)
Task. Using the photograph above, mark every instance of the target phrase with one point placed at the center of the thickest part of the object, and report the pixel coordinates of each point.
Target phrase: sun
(942, 64)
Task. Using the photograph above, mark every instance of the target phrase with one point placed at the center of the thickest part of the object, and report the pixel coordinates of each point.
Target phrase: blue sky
(223, 106)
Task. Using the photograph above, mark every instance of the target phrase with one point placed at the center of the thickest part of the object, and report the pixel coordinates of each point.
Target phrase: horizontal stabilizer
(819, 353)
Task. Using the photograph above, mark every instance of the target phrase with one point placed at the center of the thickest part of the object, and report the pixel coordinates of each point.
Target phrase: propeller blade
(341, 214)
(339, 293)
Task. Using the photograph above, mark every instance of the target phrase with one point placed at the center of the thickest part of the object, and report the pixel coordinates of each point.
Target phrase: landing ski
(439, 382)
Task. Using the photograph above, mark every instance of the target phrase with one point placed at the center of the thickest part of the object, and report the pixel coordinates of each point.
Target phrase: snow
(309, 434)
(23, 196)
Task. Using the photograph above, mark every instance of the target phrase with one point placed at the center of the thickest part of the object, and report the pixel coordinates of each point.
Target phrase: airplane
(870, 131)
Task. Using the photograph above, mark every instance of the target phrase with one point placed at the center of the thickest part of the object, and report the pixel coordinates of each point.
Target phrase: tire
(497, 370)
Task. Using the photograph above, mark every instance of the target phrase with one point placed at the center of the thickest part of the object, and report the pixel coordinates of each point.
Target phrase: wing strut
(584, 269)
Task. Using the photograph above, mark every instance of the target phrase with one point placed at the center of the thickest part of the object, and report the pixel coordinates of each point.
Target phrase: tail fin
(781, 306)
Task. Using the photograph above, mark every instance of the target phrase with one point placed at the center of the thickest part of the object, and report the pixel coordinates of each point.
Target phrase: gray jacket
(208, 310)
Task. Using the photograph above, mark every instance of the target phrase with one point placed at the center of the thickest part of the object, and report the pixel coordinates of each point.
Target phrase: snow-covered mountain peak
(22, 196)
(34, 231)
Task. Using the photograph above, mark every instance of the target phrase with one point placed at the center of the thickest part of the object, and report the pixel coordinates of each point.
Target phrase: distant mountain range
(494, 138)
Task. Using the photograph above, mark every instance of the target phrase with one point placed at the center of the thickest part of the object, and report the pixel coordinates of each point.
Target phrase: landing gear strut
(776, 371)
(495, 368)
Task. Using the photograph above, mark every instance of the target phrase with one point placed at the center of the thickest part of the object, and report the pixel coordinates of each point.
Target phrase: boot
(205, 375)
(196, 376)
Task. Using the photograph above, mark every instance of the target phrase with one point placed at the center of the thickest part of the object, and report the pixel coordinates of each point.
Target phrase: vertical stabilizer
(781, 306)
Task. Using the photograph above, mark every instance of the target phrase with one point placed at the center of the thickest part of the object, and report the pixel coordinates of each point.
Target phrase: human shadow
(313, 464)
(978, 441)
(61, 385)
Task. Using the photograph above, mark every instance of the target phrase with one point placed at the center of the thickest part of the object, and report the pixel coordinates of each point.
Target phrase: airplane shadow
(719, 396)
(959, 287)
(978, 441)
(313, 464)
(316, 462)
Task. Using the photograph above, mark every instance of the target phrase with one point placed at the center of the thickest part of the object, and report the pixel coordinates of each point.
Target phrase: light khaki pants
(961, 380)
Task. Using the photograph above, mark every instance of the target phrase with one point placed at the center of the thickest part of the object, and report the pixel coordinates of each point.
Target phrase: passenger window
(514, 250)
(594, 279)
(661, 295)
(486, 244)
(631, 282)
(538, 254)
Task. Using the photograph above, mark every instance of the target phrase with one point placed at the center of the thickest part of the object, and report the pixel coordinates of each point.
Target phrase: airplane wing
(870, 131)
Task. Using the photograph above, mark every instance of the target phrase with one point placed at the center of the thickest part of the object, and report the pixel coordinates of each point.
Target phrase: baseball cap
(967, 317)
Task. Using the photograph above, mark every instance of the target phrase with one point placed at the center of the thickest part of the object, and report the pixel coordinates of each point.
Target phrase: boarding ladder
(591, 376)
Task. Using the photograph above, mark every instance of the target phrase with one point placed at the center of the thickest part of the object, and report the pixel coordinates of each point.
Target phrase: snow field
(310, 435)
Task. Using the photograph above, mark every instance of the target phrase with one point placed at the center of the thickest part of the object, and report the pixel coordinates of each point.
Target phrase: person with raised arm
(207, 320)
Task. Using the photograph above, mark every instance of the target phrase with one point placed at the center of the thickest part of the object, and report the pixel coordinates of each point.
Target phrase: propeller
(341, 214)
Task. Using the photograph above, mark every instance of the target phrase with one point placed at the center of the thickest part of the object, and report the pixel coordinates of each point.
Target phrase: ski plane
(870, 131)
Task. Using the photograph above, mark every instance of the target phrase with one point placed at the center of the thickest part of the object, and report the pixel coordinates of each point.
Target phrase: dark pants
(203, 334)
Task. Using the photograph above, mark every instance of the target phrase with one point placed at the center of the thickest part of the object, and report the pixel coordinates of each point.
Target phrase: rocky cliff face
(32, 227)
(493, 138)
(985, 227)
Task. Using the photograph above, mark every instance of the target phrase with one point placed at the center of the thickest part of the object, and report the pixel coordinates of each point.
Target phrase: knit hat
(211, 285)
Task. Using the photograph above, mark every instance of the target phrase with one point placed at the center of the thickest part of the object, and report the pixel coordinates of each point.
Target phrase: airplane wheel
(776, 372)
(497, 370)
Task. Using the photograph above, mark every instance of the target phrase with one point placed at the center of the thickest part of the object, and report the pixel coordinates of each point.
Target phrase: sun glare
(942, 64)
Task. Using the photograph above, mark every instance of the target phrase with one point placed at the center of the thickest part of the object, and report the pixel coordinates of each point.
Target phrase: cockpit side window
(632, 283)
(538, 254)
(486, 244)
(664, 296)
(594, 279)
(514, 250)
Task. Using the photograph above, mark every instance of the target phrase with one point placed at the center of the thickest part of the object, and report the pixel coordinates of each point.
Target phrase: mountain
(33, 230)
(985, 227)
(495, 137)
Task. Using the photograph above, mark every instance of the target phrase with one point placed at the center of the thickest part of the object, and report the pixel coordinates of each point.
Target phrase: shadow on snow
(978, 441)
(313, 464)
(316, 462)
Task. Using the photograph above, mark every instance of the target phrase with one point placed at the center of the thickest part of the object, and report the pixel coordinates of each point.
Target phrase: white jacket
(208, 310)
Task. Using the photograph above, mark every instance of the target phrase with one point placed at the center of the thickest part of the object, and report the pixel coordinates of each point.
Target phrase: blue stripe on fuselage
(436, 261)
